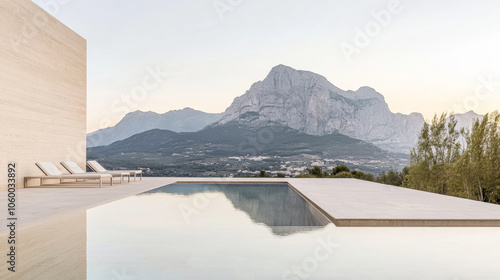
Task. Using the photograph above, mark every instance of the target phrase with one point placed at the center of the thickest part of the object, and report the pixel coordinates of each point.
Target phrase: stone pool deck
(347, 202)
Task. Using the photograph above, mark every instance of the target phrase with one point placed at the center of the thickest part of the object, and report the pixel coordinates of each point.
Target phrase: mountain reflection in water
(277, 206)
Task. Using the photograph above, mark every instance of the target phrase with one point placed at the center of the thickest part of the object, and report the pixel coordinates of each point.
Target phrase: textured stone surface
(53, 250)
(43, 90)
(308, 102)
(350, 201)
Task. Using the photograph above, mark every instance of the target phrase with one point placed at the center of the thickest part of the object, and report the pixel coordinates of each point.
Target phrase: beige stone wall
(42, 90)
(53, 250)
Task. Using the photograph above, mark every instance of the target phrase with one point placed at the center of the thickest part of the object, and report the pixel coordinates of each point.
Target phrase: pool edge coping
(366, 222)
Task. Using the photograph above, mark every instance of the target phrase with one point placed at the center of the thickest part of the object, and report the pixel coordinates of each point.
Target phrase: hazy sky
(423, 56)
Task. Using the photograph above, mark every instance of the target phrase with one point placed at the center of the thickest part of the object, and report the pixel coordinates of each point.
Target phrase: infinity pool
(242, 231)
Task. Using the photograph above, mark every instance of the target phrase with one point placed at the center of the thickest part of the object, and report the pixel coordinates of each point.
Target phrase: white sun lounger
(94, 165)
(52, 172)
(74, 168)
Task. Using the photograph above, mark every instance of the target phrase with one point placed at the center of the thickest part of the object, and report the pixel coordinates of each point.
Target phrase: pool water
(268, 231)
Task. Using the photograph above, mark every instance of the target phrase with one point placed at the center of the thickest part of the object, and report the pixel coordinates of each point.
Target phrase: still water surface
(217, 231)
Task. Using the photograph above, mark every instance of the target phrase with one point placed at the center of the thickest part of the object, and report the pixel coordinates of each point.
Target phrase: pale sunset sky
(423, 56)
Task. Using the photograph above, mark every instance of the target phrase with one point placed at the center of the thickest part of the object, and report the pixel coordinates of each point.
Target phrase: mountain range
(288, 121)
(466, 120)
(185, 120)
(302, 100)
(239, 149)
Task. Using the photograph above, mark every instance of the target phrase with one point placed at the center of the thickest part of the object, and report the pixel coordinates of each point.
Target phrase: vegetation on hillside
(239, 150)
(340, 171)
(463, 163)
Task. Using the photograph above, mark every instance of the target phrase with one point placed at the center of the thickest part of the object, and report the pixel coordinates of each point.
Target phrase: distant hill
(185, 120)
(466, 120)
(234, 147)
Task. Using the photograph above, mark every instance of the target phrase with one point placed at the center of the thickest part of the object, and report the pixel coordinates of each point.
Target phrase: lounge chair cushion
(96, 166)
(73, 167)
(48, 168)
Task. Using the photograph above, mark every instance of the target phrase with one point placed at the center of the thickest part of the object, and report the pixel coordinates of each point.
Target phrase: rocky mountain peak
(308, 102)
(365, 93)
(285, 78)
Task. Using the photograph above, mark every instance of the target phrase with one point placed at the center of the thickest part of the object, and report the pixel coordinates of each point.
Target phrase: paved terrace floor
(347, 202)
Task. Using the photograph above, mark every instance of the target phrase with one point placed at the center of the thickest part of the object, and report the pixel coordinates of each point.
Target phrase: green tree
(393, 177)
(477, 173)
(317, 172)
(438, 148)
(343, 174)
(362, 176)
(340, 168)
(464, 164)
(263, 174)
